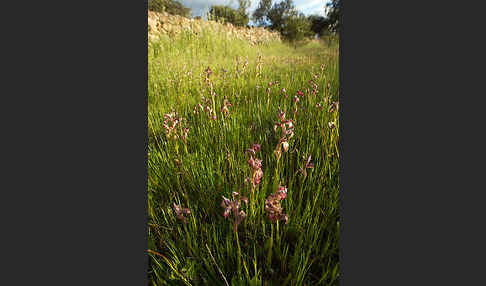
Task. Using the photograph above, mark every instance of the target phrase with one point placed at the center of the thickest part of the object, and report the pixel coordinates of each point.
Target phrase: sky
(200, 7)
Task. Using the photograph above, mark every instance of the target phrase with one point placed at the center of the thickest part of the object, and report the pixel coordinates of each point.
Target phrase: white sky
(308, 7)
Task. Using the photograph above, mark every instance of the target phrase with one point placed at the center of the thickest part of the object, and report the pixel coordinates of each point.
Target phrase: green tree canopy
(279, 13)
(228, 14)
(260, 14)
(319, 24)
(237, 17)
(333, 15)
(284, 18)
(170, 6)
(297, 27)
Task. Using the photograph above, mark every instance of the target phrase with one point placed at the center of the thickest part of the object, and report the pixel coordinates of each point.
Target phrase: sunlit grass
(195, 167)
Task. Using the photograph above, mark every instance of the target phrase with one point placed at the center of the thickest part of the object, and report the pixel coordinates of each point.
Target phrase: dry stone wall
(164, 23)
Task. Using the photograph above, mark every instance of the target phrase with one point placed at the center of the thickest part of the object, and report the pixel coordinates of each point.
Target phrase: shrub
(230, 15)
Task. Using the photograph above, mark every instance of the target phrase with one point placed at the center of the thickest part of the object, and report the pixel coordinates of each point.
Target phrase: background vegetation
(280, 15)
(170, 6)
(294, 26)
(237, 17)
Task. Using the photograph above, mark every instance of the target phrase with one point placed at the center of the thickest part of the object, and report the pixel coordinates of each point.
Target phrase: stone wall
(163, 23)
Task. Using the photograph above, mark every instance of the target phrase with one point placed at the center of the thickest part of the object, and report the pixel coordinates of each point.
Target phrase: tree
(279, 13)
(284, 18)
(333, 14)
(243, 5)
(319, 24)
(297, 28)
(170, 6)
(237, 17)
(260, 14)
(243, 16)
(274, 17)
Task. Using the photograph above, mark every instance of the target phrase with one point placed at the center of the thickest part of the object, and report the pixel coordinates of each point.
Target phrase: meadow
(243, 162)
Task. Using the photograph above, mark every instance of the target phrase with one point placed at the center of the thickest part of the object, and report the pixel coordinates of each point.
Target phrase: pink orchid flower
(233, 207)
(181, 212)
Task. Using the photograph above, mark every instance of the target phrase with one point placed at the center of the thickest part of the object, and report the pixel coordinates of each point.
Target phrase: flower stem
(269, 256)
(239, 252)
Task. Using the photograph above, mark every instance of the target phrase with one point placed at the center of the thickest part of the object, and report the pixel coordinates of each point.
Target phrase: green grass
(212, 163)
